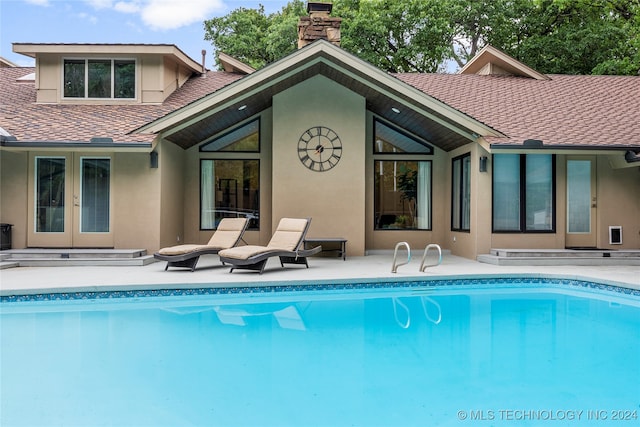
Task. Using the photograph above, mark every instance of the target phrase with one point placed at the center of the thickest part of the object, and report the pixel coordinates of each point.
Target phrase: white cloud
(100, 4)
(127, 7)
(87, 17)
(38, 2)
(172, 14)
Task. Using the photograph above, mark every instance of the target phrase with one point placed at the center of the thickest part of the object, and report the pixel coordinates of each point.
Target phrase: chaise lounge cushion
(225, 237)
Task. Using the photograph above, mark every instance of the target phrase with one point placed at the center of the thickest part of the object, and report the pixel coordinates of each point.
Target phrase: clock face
(319, 148)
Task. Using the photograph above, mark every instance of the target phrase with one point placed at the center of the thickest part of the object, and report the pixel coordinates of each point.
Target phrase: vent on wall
(615, 234)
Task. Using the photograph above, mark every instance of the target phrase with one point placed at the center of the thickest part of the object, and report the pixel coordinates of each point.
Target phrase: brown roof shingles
(23, 118)
(594, 111)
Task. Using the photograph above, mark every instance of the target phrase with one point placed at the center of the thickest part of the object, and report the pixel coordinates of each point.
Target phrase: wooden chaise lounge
(287, 243)
(227, 235)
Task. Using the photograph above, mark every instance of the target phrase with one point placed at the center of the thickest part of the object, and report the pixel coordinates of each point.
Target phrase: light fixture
(242, 107)
(395, 110)
(483, 163)
(153, 160)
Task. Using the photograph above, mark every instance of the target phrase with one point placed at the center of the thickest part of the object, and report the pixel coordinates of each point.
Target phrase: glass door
(71, 203)
(581, 202)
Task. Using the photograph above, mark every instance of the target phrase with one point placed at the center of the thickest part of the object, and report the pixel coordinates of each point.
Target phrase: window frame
(523, 197)
(112, 61)
(200, 189)
(460, 203)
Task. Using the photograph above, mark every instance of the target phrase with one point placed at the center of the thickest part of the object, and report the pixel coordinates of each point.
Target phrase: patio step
(75, 257)
(560, 257)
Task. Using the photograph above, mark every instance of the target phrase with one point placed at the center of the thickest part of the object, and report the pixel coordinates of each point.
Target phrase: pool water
(408, 356)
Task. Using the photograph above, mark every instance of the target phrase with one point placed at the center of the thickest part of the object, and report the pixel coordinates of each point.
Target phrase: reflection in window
(50, 194)
(390, 140)
(461, 193)
(99, 78)
(523, 192)
(229, 189)
(402, 194)
(96, 188)
(245, 138)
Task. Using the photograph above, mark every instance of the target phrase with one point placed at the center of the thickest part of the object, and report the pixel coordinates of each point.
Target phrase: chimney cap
(317, 6)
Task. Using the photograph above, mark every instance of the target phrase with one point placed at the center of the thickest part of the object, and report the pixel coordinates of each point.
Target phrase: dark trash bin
(5, 236)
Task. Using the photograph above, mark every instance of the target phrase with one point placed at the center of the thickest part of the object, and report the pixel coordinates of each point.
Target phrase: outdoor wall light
(153, 160)
(483, 163)
(242, 107)
(395, 110)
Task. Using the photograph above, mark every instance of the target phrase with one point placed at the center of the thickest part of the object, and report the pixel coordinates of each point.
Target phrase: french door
(581, 202)
(71, 200)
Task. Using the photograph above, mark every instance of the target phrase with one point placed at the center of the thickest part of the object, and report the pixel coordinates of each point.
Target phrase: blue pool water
(499, 353)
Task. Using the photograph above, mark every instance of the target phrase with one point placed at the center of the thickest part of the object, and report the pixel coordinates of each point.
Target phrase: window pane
(246, 138)
(466, 193)
(99, 78)
(539, 192)
(96, 175)
(74, 78)
(390, 140)
(455, 194)
(50, 183)
(233, 186)
(402, 194)
(506, 192)
(124, 79)
(579, 196)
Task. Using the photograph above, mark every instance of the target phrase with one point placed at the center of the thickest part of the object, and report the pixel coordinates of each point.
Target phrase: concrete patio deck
(210, 273)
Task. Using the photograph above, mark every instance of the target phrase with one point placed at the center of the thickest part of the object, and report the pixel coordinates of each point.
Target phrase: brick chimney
(318, 25)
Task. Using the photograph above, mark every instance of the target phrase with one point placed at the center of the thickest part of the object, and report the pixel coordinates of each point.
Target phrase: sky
(178, 22)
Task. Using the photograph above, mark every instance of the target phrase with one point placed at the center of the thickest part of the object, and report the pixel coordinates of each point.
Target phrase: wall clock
(319, 148)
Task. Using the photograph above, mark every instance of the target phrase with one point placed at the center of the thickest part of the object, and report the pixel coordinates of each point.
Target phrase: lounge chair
(227, 235)
(287, 243)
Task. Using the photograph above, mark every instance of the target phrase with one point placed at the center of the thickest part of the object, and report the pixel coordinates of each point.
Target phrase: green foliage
(551, 36)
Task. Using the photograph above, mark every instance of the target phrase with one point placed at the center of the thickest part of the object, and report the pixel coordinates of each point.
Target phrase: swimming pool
(432, 353)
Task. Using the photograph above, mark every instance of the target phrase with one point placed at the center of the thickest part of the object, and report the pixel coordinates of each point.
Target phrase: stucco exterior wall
(335, 198)
(618, 204)
(171, 167)
(14, 194)
(136, 202)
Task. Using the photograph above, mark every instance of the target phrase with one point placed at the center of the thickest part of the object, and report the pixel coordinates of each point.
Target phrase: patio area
(210, 273)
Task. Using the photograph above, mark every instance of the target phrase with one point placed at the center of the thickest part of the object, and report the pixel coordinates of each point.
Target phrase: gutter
(11, 142)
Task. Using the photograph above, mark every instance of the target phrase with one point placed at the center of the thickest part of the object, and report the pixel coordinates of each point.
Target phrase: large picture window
(402, 198)
(461, 193)
(523, 193)
(99, 78)
(403, 194)
(229, 189)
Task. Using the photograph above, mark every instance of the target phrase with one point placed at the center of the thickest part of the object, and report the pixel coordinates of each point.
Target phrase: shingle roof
(567, 110)
(21, 117)
(573, 111)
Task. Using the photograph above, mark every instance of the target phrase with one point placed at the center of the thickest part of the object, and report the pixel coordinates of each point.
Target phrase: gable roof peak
(492, 61)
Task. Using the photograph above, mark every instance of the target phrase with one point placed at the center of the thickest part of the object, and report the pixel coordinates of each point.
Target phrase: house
(140, 146)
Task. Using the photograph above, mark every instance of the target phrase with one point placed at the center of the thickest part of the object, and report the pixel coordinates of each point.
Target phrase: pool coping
(274, 286)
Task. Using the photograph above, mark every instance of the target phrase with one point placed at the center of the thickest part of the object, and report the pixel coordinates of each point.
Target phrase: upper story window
(390, 140)
(243, 139)
(99, 78)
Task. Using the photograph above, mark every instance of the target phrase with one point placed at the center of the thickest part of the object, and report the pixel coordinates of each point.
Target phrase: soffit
(382, 94)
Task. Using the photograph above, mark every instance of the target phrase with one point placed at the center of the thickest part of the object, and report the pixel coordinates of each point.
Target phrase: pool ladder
(423, 267)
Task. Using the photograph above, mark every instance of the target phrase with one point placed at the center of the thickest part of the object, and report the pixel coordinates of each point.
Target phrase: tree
(253, 37)
(551, 36)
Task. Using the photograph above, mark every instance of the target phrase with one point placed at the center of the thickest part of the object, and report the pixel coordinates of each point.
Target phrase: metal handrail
(424, 257)
(395, 265)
